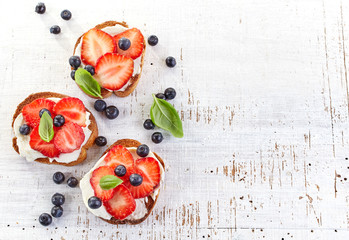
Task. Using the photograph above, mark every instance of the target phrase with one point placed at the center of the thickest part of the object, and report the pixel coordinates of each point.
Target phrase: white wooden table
(262, 89)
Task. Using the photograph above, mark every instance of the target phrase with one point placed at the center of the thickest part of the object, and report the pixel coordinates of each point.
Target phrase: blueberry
(142, 150)
(120, 170)
(58, 199)
(90, 69)
(148, 124)
(153, 40)
(161, 96)
(170, 62)
(40, 8)
(100, 141)
(157, 137)
(66, 14)
(112, 112)
(55, 29)
(57, 211)
(136, 179)
(100, 105)
(72, 74)
(124, 43)
(58, 177)
(58, 120)
(24, 129)
(44, 110)
(45, 219)
(72, 182)
(75, 62)
(170, 93)
(94, 202)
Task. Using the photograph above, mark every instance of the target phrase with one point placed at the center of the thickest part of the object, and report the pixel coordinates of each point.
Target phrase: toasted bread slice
(149, 202)
(133, 82)
(93, 127)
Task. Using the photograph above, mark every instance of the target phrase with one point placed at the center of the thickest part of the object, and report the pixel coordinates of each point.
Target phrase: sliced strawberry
(113, 71)
(119, 155)
(122, 204)
(72, 109)
(137, 43)
(149, 169)
(97, 174)
(69, 138)
(95, 43)
(31, 111)
(46, 148)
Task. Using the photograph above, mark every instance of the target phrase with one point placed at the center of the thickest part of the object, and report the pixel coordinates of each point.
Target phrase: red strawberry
(97, 174)
(31, 111)
(149, 169)
(72, 109)
(46, 148)
(95, 43)
(137, 43)
(122, 204)
(69, 138)
(113, 71)
(119, 155)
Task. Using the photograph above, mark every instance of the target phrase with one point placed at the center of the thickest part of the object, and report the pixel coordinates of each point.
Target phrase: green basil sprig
(165, 116)
(46, 127)
(87, 83)
(109, 181)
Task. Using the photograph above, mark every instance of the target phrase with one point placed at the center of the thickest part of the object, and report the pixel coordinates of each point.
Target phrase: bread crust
(150, 203)
(133, 82)
(93, 127)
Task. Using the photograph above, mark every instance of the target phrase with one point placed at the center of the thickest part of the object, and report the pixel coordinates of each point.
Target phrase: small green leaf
(46, 127)
(165, 116)
(109, 181)
(87, 83)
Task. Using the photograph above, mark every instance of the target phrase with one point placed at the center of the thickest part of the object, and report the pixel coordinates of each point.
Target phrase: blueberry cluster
(156, 137)
(75, 63)
(57, 199)
(40, 8)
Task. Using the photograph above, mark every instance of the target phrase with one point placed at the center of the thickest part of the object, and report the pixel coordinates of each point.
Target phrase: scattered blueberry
(100, 141)
(72, 182)
(24, 129)
(66, 14)
(58, 199)
(170, 93)
(94, 202)
(170, 62)
(124, 43)
(58, 177)
(161, 96)
(157, 137)
(45, 219)
(100, 105)
(136, 179)
(153, 40)
(120, 170)
(44, 110)
(148, 124)
(58, 120)
(55, 29)
(72, 74)
(142, 150)
(75, 62)
(112, 112)
(57, 211)
(90, 69)
(40, 8)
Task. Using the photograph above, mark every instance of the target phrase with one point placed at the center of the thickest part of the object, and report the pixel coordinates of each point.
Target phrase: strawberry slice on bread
(73, 110)
(97, 174)
(137, 43)
(69, 138)
(46, 148)
(31, 111)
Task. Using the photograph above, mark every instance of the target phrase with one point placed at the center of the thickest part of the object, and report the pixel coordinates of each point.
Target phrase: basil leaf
(109, 181)
(166, 117)
(87, 83)
(46, 127)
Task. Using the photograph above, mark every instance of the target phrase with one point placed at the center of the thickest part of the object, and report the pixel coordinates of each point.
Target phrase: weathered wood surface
(263, 94)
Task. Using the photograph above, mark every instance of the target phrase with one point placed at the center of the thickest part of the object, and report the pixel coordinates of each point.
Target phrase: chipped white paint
(263, 93)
